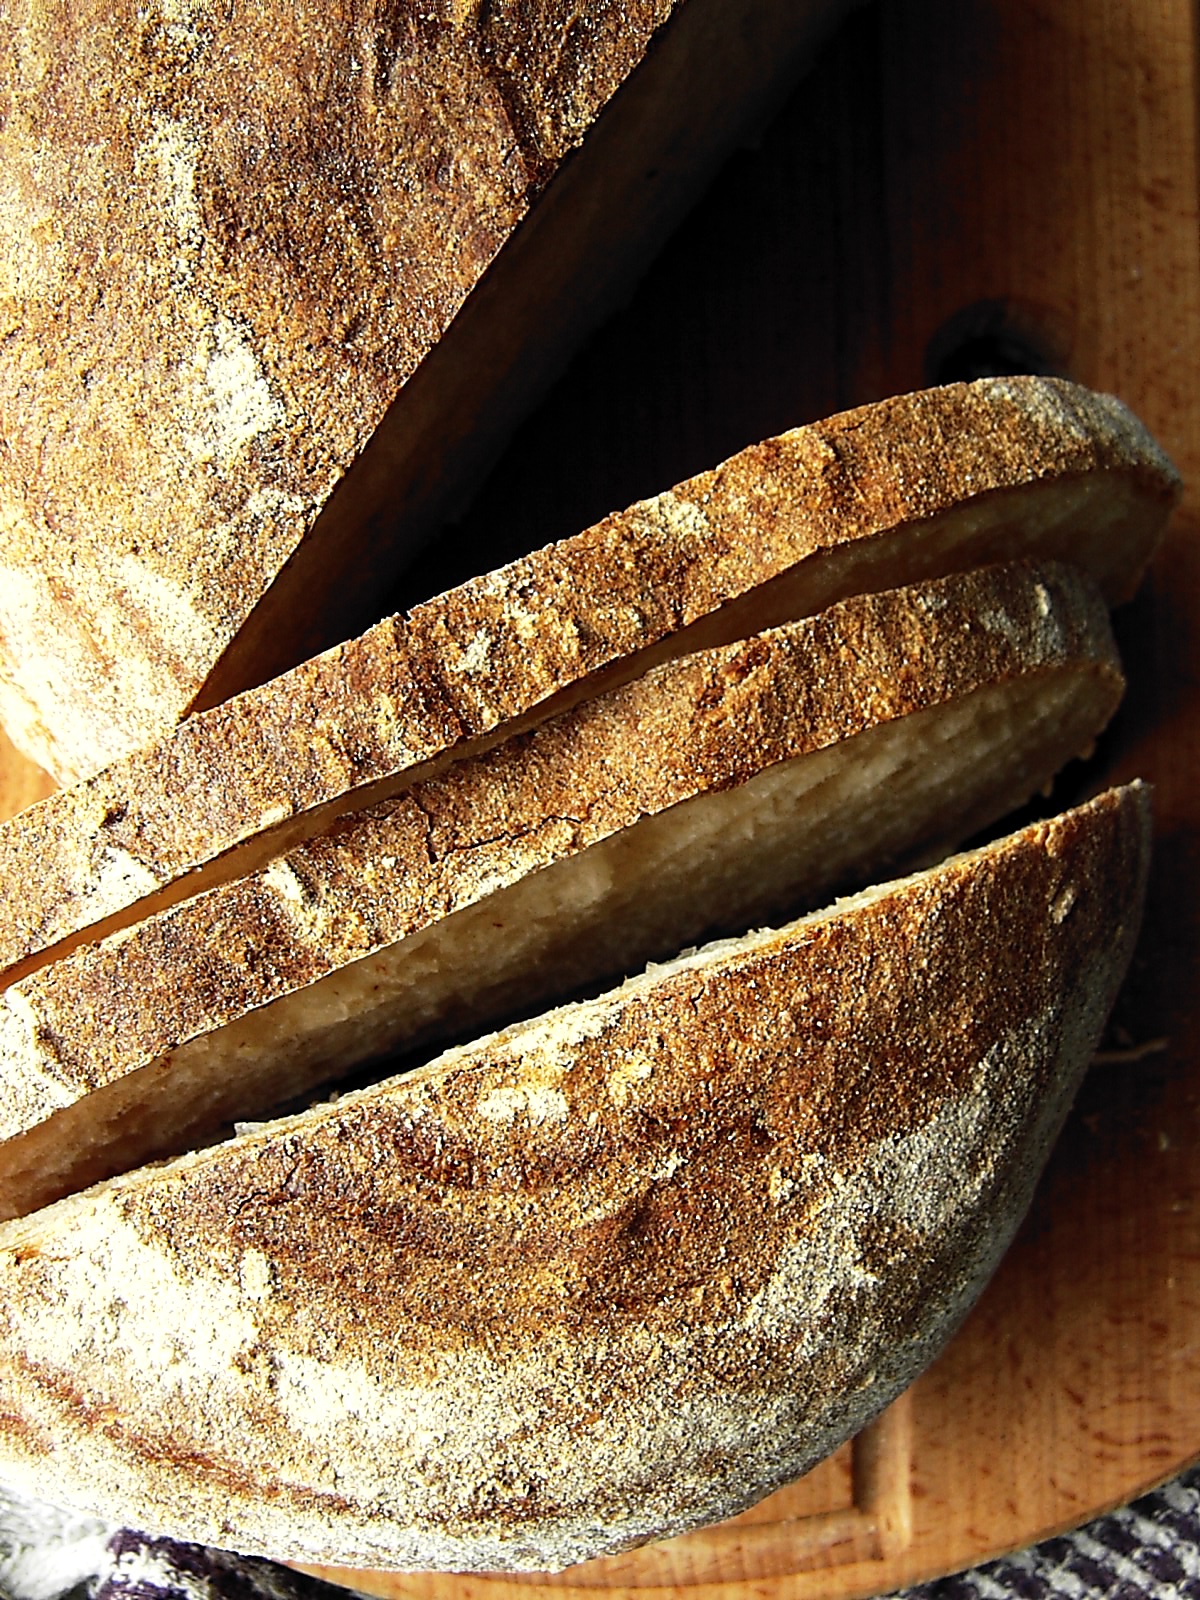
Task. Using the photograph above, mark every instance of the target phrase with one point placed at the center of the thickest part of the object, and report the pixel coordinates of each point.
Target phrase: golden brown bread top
(232, 241)
(885, 494)
(288, 290)
(596, 1278)
(512, 869)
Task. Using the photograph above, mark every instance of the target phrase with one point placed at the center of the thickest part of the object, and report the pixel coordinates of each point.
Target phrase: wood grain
(1010, 180)
(21, 783)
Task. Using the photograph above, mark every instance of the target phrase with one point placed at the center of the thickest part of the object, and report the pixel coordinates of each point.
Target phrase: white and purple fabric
(1149, 1550)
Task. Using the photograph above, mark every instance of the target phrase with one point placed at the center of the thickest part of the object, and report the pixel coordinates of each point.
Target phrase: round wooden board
(947, 169)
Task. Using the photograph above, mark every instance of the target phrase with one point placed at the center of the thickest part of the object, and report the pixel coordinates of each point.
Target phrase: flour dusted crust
(718, 790)
(886, 494)
(600, 1277)
(232, 238)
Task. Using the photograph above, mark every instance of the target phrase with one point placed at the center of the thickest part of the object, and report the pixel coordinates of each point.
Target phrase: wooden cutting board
(953, 187)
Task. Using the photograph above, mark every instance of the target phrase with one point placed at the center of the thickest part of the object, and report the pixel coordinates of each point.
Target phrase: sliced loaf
(719, 789)
(893, 492)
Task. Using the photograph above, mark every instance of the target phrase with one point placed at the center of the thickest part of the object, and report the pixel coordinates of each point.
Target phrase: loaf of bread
(597, 1278)
(717, 790)
(622, 1268)
(274, 285)
(886, 494)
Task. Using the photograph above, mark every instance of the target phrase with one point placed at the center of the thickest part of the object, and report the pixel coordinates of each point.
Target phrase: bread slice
(717, 790)
(274, 293)
(904, 489)
(598, 1278)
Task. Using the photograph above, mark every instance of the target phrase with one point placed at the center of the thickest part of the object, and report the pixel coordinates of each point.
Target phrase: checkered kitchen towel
(1149, 1550)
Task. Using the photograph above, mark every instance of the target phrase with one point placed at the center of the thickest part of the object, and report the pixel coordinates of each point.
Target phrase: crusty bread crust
(275, 292)
(889, 493)
(595, 1279)
(254, 992)
(257, 235)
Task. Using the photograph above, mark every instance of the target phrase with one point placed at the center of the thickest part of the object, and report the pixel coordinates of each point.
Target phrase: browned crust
(595, 1279)
(230, 247)
(694, 726)
(885, 494)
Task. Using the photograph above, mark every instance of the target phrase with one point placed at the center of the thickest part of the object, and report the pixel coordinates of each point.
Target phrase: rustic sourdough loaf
(600, 1277)
(741, 783)
(911, 487)
(274, 284)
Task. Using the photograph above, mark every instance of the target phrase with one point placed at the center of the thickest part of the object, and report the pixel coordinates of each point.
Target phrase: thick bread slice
(596, 1279)
(911, 487)
(274, 287)
(743, 783)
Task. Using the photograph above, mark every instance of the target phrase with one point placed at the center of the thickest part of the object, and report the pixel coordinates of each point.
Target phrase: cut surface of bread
(272, 294)
(738, 784)
(598, 1278)
(908, 488)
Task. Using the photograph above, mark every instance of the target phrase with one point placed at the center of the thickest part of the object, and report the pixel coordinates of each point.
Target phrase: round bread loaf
(600, 1277)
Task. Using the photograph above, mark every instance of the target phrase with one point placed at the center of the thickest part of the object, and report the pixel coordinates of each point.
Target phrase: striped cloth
(1149, 1550)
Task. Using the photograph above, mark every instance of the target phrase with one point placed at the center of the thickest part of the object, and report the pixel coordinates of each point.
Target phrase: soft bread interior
(776, 844)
